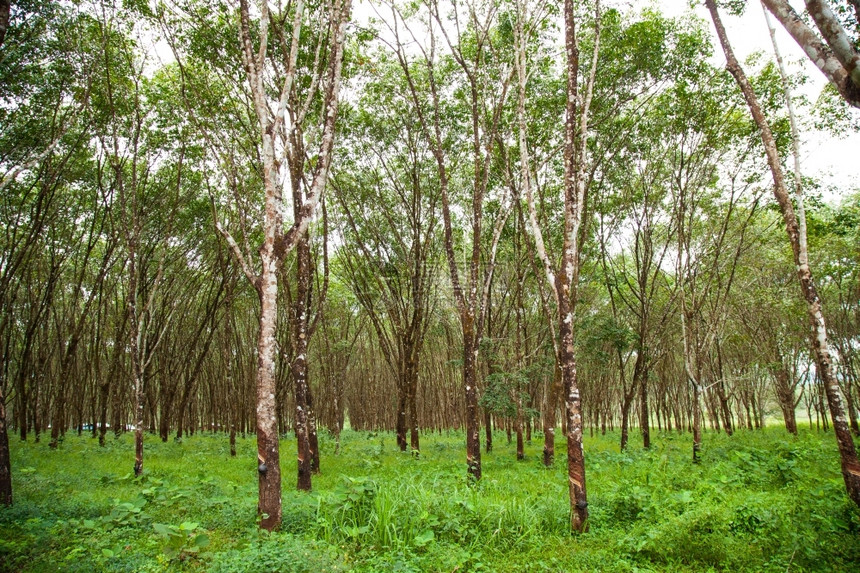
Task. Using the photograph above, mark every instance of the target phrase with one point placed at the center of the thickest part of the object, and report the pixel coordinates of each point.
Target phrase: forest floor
(758, 501)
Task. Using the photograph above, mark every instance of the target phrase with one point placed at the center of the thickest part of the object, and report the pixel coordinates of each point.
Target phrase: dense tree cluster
(505, 215)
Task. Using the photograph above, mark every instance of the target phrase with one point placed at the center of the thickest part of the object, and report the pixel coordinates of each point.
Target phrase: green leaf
(201, 540)
(107, 553)
(424, 538)
(162, 529)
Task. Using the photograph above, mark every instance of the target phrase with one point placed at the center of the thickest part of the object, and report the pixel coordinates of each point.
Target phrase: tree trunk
(724, 408)
(59, 421)
(785, 397)
(470, 367)
(413, 406)
(848, 454)
(488, 431)
(640, 383)
(400, 419)
(104, 396)
(852, 410)
(549, 418)
(573, 413)
(625, 421)
(313, 438)
(268, 454)
(697, 422)
(845, 80)
(5, 458)
(21, 413)
(299, 367)
(520, 445)
(139, 401)
(232, 436)
(644, 415)
(166, 413)
(5, 6)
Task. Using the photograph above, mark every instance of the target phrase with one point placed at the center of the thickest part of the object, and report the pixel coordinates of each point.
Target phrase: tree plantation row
(278, 217)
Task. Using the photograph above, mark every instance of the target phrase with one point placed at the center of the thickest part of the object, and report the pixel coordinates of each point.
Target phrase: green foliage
(758, 501)
(278, 552)
(182, 540)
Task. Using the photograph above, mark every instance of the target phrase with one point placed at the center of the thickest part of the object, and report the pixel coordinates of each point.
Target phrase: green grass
(759, 501)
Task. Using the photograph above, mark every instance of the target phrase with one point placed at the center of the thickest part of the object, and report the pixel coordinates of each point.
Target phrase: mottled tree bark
(299, 366)
(268, 454)
(473, 438)
(786, 398)
(575, 188)
(573, 414)
(832, 63)
(848, 453)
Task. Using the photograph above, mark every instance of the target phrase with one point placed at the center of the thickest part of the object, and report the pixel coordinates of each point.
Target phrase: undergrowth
(758, 501)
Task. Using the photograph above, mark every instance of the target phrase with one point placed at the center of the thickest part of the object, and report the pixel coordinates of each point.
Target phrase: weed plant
(758, 501)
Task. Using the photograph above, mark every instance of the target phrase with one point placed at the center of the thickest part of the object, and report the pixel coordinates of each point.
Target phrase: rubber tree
(563, 278)
(832, 49)
(850, 465)
(277, 124)
(476, 59)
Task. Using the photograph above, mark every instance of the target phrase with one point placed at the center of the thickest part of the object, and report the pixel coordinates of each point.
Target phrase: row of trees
(475, 262)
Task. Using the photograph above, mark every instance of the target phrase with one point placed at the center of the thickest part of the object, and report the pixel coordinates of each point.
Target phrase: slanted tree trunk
(848, 454)
(835, 57)
(78, 322)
